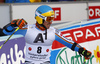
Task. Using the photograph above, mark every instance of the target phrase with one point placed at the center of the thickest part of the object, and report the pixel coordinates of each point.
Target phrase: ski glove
(19, 22)
(87, 54)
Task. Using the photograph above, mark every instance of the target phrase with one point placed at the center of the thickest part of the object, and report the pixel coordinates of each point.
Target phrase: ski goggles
(47, 19)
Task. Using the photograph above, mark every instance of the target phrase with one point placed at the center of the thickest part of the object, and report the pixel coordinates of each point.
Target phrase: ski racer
(40, 36)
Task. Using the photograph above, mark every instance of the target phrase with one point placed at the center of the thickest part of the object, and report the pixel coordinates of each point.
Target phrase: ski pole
(84, 61)
(9, 37)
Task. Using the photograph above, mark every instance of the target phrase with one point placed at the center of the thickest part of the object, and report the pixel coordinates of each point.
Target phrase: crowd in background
(32, 1)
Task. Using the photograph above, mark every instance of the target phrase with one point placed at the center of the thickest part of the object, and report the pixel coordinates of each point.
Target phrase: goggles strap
(41, 16)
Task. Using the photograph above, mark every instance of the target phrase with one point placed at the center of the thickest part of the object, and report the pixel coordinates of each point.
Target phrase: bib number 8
(39, 50)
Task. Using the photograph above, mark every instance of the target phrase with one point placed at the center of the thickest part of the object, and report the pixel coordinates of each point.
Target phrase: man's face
(47, 24)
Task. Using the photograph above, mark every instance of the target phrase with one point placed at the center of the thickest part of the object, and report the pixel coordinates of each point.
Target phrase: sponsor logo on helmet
(42, 16)
(39, 12)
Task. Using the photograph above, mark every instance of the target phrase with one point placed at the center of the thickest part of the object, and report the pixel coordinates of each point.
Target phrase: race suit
(38, 43)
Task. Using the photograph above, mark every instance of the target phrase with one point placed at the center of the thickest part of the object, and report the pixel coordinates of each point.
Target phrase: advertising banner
(57, 12)
(86, 34)
(94, 12)
(13, 52)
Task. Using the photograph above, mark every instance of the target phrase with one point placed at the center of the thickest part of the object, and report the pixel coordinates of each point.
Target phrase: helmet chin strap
(41, 26)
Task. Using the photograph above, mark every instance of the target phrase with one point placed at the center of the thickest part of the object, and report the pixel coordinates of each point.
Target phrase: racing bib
(37, 52)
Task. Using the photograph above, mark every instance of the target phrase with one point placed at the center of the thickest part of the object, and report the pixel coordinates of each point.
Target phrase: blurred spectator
(60, 0)
(23, 1)
(67, 0)
(17, 1)
(39, 1)
(2, 1)
(53, 0)
(44, 0)
(34, 1)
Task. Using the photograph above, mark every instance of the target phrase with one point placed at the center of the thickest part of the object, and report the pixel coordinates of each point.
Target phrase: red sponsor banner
(84, 34)
(94, 12)
(80, 35)
(57, 11)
